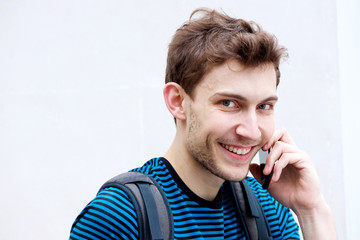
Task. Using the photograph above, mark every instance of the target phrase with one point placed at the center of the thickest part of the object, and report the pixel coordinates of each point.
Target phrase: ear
(174, 96)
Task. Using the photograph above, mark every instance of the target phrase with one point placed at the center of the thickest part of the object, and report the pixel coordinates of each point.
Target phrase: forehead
(234, 77)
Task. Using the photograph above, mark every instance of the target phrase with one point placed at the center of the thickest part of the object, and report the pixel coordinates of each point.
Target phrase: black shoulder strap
(250, 212)
(153, 211)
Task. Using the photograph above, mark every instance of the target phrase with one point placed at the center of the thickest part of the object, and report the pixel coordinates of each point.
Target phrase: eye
(265, 106)
(228, 103)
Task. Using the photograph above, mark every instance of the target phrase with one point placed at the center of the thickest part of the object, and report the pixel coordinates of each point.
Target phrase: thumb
(255, 171)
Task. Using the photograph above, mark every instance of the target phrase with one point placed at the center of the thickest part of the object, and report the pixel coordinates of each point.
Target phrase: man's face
(230, 117)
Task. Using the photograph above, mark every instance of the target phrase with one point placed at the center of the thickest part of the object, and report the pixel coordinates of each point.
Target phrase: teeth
(239, 151)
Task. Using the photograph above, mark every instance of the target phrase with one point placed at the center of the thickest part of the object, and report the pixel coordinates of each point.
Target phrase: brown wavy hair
(210, 40)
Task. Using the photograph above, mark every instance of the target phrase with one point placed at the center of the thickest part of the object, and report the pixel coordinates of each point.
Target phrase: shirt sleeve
(281, 221)
(111, 215)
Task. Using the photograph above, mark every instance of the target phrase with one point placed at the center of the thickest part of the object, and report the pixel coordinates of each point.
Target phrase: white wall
(349, 52)
(80, 99)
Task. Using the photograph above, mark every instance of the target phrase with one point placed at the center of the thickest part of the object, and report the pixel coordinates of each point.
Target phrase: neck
(198, 179)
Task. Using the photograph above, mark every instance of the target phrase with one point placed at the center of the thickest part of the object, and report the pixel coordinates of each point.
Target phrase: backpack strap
(153, 211)
(251, 214)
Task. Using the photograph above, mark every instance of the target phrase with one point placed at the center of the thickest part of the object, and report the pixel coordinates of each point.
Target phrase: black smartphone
(265, 179)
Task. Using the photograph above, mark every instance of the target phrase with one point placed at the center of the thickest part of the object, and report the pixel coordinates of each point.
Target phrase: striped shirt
(111, 214)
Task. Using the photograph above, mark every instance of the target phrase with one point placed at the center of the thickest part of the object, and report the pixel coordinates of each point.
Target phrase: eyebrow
(242, 98)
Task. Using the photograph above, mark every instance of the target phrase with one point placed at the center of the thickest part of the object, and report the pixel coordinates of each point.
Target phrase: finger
(276, 153)
(280, 134)
(280, 165)
(286, 159)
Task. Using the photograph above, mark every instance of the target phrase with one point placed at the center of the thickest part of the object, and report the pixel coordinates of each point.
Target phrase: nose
(248, 126)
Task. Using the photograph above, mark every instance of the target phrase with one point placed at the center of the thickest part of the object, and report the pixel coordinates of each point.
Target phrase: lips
(237, 150)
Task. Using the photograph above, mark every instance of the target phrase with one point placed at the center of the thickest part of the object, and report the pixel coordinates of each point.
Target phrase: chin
(233, 175)
(236, 178)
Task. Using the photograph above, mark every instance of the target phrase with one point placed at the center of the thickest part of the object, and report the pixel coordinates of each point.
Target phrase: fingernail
(267, 146)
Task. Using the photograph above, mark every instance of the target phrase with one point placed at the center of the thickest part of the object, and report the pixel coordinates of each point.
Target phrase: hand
(295, 184)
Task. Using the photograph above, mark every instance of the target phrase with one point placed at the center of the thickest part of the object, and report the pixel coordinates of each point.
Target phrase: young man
(221, 80)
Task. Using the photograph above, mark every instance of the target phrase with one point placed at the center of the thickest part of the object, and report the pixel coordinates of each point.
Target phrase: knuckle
(283, 130)
(278, 144)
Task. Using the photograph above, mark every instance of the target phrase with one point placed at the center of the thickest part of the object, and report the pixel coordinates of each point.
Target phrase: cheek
(219, 122)
(267, 129)
(208, 118)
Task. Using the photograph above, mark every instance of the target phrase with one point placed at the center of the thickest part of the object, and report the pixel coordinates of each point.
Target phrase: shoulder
(261, 194)
(109, 215)
(152, 167)
(159, 169)
(281, 221)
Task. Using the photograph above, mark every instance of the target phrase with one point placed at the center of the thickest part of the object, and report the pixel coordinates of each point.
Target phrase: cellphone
(265, 179)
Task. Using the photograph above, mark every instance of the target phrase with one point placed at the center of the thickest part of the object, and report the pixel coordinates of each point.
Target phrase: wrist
(313, 209)
(317, 222)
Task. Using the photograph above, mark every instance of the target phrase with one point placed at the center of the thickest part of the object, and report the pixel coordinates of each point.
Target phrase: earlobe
(174, 98)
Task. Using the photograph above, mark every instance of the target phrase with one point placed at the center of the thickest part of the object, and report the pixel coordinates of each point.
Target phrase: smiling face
(229, 118)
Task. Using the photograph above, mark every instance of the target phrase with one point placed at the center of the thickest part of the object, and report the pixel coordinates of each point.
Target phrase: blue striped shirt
(111, 214)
